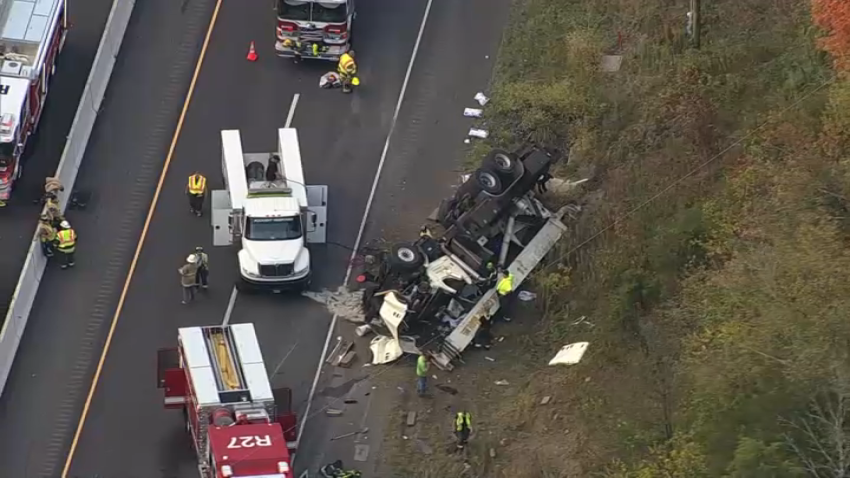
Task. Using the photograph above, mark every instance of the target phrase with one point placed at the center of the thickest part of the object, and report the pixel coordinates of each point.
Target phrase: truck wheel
(489, 181)
(503, 163)
(405, 257)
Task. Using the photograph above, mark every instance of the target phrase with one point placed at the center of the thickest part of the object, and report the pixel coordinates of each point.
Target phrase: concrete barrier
(72, 157)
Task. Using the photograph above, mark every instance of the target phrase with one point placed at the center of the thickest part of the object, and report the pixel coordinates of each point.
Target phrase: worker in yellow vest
(505, 289)
(196, 189)
(66, 240)
(463, 428)
(347, 70)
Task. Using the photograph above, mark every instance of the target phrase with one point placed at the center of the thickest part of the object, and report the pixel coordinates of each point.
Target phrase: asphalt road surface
(18, 219)
(127, 433)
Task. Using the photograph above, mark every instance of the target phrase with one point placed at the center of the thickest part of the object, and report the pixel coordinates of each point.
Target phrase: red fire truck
(239, 426)
(319, 29)
(32, 33)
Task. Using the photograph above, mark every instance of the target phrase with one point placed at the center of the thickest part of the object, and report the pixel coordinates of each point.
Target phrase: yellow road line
(141, 243)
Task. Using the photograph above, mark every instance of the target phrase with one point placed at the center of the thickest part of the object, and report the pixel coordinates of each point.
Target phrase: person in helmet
(203, 267)
(46, 235)
(188, 278)
(347, 69)
(66, 240)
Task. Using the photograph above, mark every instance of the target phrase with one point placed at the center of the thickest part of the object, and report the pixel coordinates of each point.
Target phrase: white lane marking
(332, 325)
(235, 292)
(292, 110)
(230, 306)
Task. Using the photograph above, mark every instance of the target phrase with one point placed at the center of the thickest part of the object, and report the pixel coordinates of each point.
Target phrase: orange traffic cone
(252, 53)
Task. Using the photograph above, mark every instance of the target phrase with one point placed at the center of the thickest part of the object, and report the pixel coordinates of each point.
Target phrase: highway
(125, 432)
(18, 219)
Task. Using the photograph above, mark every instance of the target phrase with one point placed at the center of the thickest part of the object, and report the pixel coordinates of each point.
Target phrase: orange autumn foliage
(833, 16)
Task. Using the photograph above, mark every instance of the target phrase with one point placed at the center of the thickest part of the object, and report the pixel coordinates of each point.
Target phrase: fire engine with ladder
(239, 426)
(32, 33)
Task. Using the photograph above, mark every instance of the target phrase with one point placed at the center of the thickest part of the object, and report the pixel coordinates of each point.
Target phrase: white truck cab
(268, 210)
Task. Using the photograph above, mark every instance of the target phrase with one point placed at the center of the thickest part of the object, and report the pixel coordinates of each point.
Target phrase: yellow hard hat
(355, 81)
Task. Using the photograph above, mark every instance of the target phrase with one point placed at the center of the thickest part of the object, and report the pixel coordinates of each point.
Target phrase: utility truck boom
(270, 212)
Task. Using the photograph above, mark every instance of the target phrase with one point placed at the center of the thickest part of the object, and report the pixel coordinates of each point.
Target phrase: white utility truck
(269, 212)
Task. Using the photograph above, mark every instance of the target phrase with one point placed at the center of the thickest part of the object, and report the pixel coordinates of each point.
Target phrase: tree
(833, 16)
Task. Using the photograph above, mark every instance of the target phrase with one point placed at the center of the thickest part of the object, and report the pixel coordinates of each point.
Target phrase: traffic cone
(252, 53)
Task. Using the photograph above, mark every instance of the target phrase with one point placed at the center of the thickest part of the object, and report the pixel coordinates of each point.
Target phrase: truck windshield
(293, 10)
(322, 12)
(273, 228)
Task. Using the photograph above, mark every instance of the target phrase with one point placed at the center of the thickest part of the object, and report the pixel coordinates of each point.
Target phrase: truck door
(317, 214)
(220, 218)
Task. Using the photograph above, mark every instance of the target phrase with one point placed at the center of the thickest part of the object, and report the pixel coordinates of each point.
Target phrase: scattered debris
(333, 412)
(526, 296)
(478, 133)
(411, 419)
(545, 400)
(611, 63)
(466, 141)
(490, 359)
(305, 474)
(385, 350)
(501, 382)
(334, 351)
(343, 303)
(570, 354)
(362, 330)
(350, 434)
(350, 401)
(492, 453)
(341, 353)
(481, 99)
(472, 112)
(346, 360)
(446, 388)
(361, 452)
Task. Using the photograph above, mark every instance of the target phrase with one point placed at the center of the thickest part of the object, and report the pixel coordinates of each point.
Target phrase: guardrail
(69, 164)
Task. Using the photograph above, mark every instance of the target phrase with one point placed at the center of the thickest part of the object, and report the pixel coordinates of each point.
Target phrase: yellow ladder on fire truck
(225, 359)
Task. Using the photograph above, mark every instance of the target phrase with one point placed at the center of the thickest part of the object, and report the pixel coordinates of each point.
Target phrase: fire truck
(32, 33)
(239, 426)
(318, 29)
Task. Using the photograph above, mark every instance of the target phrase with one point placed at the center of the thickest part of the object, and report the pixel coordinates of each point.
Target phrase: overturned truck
(431, 295)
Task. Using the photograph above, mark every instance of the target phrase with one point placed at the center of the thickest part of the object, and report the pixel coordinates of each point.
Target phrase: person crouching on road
(196, 189)
(46, 235)
(67, 244)
(188, 278)
(203, 267)
(347, 69)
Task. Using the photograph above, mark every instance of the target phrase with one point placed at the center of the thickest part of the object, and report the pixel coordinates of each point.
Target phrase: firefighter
(296, 48)
(188, 278)
(46, 235)
(53, 186)
(463, 428)
(203, 267)
(66, 240)
(51, 208)
(347, 69)
(196, 189)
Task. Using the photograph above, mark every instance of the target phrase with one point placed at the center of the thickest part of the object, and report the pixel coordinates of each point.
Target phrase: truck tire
(489, 181)
(405, 257)
(503, 163)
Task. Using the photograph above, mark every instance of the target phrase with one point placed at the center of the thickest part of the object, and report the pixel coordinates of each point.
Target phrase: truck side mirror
(311, 225)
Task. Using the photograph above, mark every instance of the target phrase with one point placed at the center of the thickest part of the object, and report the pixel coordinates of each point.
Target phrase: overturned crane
(431, 295)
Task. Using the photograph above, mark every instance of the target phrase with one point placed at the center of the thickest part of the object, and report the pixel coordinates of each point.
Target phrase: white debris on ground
(481, 99)
(343, 303)
(472, 112)
(478, 133)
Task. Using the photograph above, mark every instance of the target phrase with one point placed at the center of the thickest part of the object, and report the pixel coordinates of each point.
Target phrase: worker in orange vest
(196, 189)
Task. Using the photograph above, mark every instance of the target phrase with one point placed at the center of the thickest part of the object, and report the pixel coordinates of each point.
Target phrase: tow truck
(429, 296)
(272, 214)
(239, 426)
(32, 33)
(319, 29)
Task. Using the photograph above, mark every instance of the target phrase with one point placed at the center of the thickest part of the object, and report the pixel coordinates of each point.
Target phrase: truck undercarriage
(432, 295)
